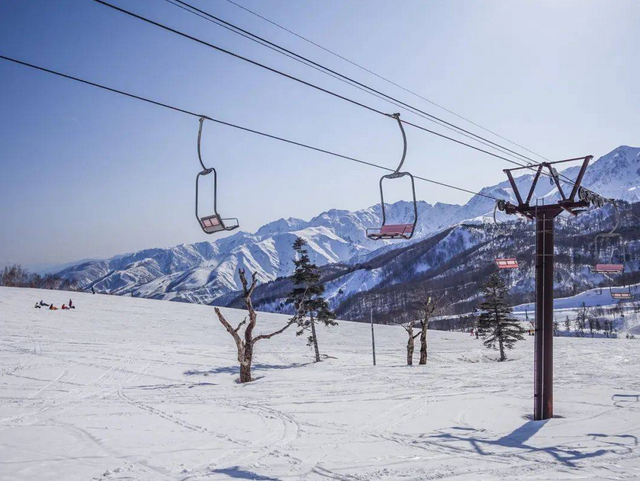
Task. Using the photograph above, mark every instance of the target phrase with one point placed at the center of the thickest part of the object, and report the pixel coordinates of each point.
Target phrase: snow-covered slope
(133, 389)
(206, 271)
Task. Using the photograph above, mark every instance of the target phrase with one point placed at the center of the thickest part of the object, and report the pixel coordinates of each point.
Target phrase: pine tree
(307, 296)
(497, 324)
(583, 315)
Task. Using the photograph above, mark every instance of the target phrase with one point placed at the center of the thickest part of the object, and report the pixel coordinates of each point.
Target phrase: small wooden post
(373, 338)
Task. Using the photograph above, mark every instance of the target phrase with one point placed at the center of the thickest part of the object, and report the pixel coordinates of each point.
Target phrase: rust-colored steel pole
(543, 382)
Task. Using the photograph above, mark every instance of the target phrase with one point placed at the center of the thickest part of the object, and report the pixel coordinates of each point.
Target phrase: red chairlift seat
(608, 268)
(503, 263)
(214, 223)
(391, 232)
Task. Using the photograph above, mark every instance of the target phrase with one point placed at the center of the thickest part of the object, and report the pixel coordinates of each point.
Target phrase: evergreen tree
(501, 330)
(307, 296)
(567, 325)
(581, 321)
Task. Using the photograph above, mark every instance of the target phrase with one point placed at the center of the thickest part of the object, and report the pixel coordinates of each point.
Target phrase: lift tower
(544, 216)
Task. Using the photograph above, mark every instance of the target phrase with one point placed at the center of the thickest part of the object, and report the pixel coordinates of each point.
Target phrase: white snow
(590, 298)
(126, 388)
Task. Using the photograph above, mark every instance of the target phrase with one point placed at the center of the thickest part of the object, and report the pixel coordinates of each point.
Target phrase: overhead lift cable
(389, 81)
(236, 126)
(309, 84)
(337, 75)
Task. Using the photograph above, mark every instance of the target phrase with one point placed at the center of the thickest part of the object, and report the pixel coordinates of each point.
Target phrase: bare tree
(408, 327)
(245, 347)
(429, 308)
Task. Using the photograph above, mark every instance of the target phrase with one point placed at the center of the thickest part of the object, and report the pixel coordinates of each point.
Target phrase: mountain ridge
(204, 272)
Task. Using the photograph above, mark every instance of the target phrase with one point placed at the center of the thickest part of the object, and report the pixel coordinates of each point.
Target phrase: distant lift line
(235, 126)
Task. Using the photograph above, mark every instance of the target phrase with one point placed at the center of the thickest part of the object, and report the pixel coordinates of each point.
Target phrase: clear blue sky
(85, 173)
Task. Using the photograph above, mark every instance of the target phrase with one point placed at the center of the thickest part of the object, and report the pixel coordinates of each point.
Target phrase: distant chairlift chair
(611, 264)
(623, 293)
(401, 231)
(607, 264)
(503, 263)
(211, 223)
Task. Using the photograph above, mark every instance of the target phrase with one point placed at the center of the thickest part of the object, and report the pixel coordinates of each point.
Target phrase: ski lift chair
(401, 231)
(503, 263)
(212, 222)
(621, 293)
(608, 268)
(608, 265)
(506, 263)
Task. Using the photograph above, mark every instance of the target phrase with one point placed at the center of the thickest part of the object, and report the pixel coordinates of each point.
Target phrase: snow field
(125, 388)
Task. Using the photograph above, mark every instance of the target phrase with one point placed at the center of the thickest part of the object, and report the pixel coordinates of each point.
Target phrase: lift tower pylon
(544, 217)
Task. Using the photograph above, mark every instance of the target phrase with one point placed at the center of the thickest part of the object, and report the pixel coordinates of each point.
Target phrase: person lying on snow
(71, 306)
(52, 307)
(64, 307)
(38, 305)
(42, 304)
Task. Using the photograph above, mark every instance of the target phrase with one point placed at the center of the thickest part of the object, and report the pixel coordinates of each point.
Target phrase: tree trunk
(410, 346)
(315, 339)
(245, 361)
(423, 344)
(503, 357)
(245, 371)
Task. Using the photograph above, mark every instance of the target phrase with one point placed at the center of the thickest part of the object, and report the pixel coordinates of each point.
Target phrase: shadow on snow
(518, 439)
(236, 368)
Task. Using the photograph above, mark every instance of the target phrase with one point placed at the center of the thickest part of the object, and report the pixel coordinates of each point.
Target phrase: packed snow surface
(124, 388)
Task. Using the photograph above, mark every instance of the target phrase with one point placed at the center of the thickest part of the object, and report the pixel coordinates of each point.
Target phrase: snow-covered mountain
(206, 271)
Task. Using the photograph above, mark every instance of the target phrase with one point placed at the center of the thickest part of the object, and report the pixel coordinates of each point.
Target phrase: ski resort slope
(124, 388)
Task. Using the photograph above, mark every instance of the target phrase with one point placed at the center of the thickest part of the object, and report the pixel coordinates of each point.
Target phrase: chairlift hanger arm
(396, 116)
(533, 185)
(199, 149)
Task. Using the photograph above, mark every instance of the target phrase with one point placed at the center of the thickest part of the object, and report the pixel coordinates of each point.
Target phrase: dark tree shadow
(235, 369)
(518, 439)
(236, 472)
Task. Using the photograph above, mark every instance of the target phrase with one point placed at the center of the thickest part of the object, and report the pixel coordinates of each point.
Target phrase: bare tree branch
(246, 288)
(241, 324)
(280, 331)
(239, 344)
(254, 282)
